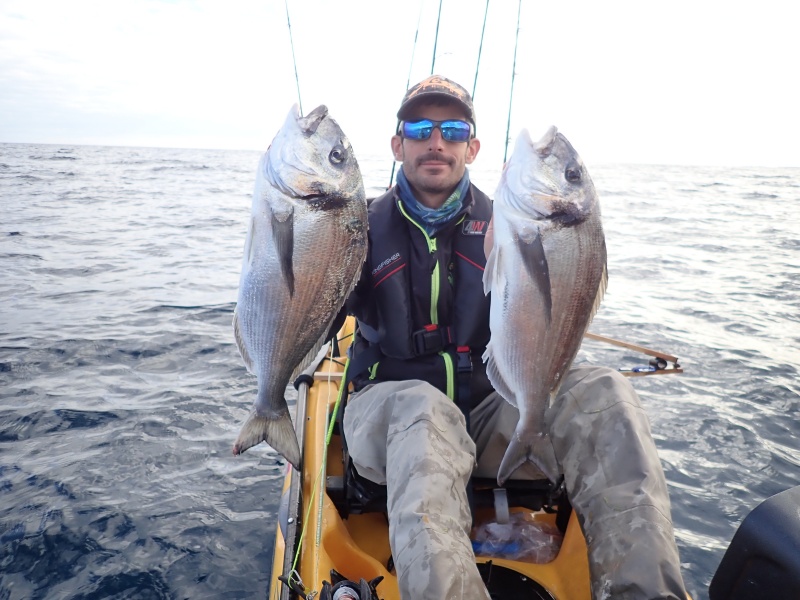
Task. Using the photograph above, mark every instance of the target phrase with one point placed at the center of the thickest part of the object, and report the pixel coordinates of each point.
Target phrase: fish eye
(572, 173)
(338, 154)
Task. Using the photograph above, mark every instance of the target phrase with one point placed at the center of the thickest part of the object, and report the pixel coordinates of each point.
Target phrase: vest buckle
(431, 339)
(463, 360)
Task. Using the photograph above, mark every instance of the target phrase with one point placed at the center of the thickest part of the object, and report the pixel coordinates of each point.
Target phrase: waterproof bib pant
(412, 438)
(602, 442)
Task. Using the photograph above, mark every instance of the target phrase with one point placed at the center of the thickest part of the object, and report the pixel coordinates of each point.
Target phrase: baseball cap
(436, 86)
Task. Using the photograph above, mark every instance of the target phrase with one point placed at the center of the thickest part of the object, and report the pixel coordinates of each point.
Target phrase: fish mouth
(556, 210)
(325, 201)
(564, 217)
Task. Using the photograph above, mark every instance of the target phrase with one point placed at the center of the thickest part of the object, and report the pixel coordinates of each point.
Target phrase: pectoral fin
(535, 261)
(283, 236)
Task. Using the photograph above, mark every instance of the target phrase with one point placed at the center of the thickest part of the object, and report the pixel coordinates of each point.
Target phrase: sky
(699, 82)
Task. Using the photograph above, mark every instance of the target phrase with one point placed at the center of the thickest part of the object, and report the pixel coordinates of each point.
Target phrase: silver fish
(547, 275)
(305, 246)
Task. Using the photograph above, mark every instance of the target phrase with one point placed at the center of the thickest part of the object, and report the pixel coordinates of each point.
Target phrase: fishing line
(436, 39)
(414, 47)
(480, 51)
(408, 79)
(513, 75)
(294, 60)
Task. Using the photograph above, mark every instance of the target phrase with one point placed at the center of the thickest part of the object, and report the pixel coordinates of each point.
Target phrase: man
(423, 324)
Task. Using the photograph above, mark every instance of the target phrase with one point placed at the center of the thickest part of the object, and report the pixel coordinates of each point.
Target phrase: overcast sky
(679, 82)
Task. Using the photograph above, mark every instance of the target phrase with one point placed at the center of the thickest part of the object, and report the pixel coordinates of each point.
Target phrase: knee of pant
(601, 388)
(424, 402)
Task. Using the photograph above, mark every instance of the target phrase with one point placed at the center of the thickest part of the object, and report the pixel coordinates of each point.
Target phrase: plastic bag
(522, 538)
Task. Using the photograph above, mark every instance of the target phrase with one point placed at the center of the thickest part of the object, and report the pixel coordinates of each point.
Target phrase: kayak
(333, 526)
(327, 529)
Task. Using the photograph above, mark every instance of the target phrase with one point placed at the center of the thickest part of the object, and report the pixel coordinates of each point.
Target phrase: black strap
(463, 378)
(431, 339)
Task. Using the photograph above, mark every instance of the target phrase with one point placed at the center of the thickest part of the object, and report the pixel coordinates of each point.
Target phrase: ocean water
(121, 390)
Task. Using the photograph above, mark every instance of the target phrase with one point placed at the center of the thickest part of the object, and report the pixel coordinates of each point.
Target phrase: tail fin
(537, 449)
(277, 432)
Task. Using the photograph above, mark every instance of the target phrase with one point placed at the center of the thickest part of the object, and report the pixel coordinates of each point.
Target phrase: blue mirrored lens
(455, 131)
(452, 130)
(419, 130)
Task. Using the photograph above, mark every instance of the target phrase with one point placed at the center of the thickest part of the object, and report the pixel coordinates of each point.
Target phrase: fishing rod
(294, 60)
(656, 366)
(408, 79)
(433, 60)
(480, 51)
(513, 75)
(436, 39)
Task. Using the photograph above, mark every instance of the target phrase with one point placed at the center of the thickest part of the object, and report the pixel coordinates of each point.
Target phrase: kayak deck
(358, 546)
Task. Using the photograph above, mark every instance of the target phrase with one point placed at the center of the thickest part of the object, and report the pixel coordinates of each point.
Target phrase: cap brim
(406, 108)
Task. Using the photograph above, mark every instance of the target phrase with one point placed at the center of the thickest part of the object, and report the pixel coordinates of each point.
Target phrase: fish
(547, 273)
(305, 246)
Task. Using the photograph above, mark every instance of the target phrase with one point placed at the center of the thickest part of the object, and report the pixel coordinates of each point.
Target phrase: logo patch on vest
(386, 263)
(474, 227)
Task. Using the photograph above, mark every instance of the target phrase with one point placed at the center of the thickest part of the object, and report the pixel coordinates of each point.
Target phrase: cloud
(686, 83)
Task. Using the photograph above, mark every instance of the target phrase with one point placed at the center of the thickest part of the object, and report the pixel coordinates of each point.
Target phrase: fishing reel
(344, 589)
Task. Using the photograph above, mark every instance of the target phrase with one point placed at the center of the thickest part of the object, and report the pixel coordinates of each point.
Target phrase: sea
(122, 391)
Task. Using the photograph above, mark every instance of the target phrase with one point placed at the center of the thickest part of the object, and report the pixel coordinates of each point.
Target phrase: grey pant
(602, 441)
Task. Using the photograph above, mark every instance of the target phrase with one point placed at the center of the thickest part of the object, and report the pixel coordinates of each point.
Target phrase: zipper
(435, 290)
(435, 275)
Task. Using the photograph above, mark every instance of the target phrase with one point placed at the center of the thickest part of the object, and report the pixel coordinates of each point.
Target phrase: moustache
(435, 156)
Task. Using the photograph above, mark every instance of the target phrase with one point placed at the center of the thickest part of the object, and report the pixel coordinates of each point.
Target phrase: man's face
(434, 166)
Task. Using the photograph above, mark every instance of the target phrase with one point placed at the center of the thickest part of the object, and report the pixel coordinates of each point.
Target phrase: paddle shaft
(629, 346)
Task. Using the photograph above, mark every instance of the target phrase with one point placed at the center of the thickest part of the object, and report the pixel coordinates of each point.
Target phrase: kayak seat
(353, 494)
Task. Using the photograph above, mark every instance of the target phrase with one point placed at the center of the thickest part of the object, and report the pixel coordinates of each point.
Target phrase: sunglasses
(453, 130)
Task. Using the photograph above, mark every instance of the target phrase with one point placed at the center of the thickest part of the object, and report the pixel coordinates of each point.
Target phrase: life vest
(420, 300)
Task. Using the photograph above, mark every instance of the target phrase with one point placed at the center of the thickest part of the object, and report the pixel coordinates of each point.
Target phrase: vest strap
(463, 376)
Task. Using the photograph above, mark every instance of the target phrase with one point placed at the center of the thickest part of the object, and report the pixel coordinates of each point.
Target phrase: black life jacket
(420, 304)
